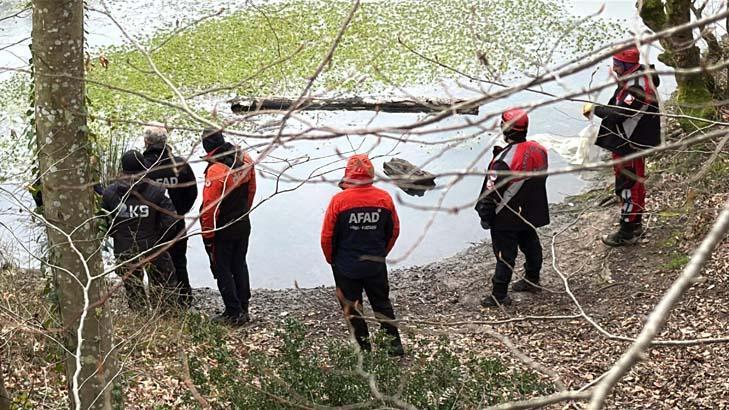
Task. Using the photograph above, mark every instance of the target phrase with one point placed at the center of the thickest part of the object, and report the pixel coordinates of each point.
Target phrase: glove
(496, 150)
(485, 225)
(587, 110)
(210, 250)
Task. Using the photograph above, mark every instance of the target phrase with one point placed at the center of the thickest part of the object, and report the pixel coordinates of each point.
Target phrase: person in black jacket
(513, 207)
(142, 217)
(630, 123)
(174, 174)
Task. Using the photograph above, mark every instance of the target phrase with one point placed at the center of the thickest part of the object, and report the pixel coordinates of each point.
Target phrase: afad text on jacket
(360, 225)
(174, 174)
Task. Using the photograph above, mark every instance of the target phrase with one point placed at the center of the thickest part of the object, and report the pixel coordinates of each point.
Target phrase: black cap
(212, 138)
(132, 162)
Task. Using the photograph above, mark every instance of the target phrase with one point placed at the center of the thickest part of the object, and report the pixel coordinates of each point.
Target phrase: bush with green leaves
(297, 375)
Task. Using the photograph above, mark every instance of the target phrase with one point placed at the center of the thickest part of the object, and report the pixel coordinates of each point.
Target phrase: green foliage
(694, 99)
(297, 374)
(678, 261)
(514, 36)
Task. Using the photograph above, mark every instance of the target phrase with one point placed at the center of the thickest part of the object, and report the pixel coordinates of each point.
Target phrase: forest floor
(615, 287)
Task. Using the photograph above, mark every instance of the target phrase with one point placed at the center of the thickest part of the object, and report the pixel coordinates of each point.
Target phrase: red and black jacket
(361, 224)
(521, 202)
(630, 122)
(230, 185)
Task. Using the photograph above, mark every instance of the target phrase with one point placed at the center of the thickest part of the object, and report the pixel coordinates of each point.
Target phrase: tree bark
(241, 105)
(693, 94)
(69, 200)
(4, 395)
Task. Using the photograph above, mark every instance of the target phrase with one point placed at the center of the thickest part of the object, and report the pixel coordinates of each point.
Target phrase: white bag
(587, 151)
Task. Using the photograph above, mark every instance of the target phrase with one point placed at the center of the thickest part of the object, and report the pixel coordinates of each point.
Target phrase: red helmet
(629, 55)
(515, 119)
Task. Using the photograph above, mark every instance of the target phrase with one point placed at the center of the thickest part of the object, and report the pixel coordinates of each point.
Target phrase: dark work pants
(377, 289)
(178, 253)
(506, 245)
(162, 282)
(231, 272)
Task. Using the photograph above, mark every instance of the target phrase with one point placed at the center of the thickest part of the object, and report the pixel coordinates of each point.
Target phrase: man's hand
(587, 110)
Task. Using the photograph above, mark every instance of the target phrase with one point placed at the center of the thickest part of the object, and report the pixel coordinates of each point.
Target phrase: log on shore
(242, 105)
(408, 177)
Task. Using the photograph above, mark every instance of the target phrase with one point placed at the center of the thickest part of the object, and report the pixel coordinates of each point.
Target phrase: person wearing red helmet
(512, 207)
(360, 228)
(630, 123)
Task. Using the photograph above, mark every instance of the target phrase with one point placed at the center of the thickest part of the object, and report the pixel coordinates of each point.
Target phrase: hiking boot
(628, 234)
(492, 301)
(524, 285)
(230, 320)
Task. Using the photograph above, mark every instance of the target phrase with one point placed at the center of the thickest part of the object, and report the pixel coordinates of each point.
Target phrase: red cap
(629, 55)
(516, 119)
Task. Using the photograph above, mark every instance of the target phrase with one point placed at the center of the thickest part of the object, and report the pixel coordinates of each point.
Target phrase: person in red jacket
(513, 207)
(230, 185)
(630, 123)
(360, 228)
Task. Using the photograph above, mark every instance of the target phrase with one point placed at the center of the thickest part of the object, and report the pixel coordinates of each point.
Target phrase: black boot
(229, 319)
(244, 312)
(526, 285)
(396, 349)
(493, 301)
(628, 234)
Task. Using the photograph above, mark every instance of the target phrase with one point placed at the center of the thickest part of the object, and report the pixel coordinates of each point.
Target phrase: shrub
(295, 375)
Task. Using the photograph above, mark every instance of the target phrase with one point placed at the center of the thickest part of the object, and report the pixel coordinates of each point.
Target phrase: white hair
(155, 133)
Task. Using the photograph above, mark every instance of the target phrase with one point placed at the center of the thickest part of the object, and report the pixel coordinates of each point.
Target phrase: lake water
(285, 238)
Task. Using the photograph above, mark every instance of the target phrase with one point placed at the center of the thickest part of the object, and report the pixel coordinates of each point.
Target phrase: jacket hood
(157, 149)
(359, 172)
(232, 157)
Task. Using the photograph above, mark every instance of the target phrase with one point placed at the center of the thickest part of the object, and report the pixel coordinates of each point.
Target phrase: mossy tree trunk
(69, 200)
(693, 94)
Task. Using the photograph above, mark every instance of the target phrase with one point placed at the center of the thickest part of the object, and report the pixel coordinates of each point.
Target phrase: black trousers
(377, 289)
(231, 272)
(162, 281)
(506, 245)
(178, 253)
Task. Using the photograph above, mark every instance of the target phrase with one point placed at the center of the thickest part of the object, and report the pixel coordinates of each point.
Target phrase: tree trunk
(241, 105)
(69, 200)
(692, 94)
(4, 395)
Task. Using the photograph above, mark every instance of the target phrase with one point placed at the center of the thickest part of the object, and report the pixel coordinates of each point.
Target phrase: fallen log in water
(427, 105)
(408, 177)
